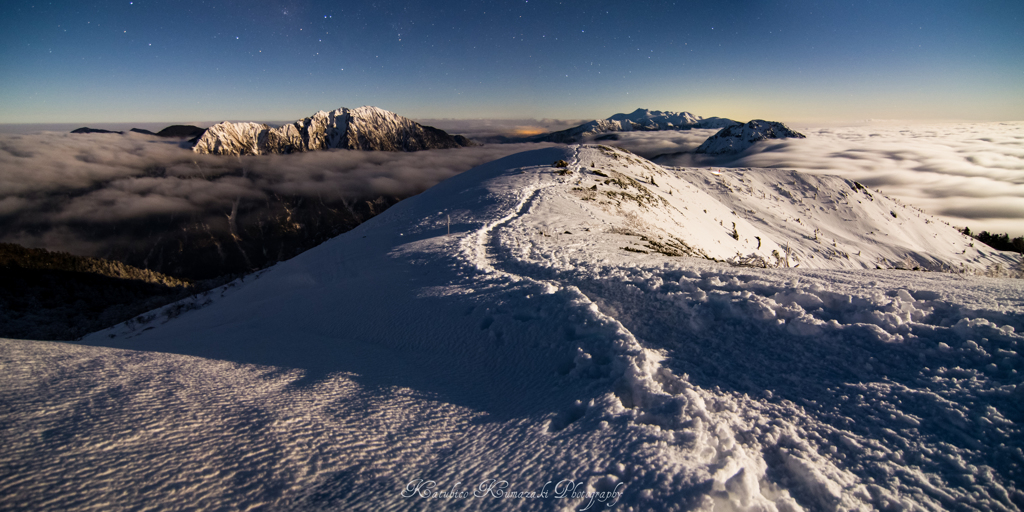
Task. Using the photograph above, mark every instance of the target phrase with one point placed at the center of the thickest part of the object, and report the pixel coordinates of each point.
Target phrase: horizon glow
(145, 61)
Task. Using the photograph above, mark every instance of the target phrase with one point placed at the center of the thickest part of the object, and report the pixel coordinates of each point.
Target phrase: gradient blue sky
(798, 61)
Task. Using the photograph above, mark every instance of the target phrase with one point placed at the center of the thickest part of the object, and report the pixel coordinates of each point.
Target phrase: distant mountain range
(177, 131)
(640, 119)
(374, 129)
(363, 128)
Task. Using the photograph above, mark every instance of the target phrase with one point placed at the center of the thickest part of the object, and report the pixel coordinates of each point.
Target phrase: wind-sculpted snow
(549, 331)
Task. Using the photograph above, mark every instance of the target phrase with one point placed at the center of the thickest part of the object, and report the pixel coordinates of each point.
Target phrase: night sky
(150, 60)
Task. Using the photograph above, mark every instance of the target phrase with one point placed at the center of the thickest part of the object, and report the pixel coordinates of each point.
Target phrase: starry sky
(795, 61)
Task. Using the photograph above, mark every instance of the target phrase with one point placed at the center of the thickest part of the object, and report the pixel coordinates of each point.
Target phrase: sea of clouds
(482, 129)
(52, 183)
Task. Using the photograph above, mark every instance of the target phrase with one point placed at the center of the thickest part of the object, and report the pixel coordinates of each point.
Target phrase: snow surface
(515, 330)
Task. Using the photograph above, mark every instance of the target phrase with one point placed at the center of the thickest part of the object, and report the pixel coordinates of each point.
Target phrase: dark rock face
(86, 129)
(259, 234)
(181, 131)
(57, 296)
(740, 137)
(177, 131)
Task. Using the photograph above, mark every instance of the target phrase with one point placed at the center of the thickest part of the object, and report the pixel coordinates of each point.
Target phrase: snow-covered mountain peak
(738, 138)
(640, 119)
(363, 128)
(657, 119)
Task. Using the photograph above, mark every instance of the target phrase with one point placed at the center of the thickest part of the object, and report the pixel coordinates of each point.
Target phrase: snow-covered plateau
(571, 328)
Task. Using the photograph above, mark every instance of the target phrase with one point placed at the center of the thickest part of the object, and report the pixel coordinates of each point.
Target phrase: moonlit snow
(966, 173)
(607, 334)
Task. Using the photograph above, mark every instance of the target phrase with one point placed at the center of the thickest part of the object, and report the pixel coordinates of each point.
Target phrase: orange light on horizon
(526, 131)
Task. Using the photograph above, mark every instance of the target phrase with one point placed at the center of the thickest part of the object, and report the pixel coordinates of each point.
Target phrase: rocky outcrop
(640, 119)
(364, 128)
(738, 138)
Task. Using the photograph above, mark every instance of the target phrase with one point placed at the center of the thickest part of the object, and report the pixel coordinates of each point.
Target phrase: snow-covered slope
(831, 222)
(737, 138)
(762, 217)
(520, 338)
(364, 128)
(640, 119)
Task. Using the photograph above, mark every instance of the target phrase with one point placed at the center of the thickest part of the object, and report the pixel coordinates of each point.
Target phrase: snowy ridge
(365, 128)
(831, 222)
(644, 119)
(639, 120)
(657, 119)
(761, 217)
(568, 325)
(738, 138)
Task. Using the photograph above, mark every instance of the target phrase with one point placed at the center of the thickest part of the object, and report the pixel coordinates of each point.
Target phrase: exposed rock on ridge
(738, 138)
(640, 119)
(364, 128)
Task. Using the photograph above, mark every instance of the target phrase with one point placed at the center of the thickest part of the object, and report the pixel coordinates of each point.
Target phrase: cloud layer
(53, 184)
(486, 128)
(654, 144)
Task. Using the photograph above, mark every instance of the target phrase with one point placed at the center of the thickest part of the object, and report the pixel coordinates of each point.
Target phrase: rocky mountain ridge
(738, 138)
(640, 119)
(365, 128)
